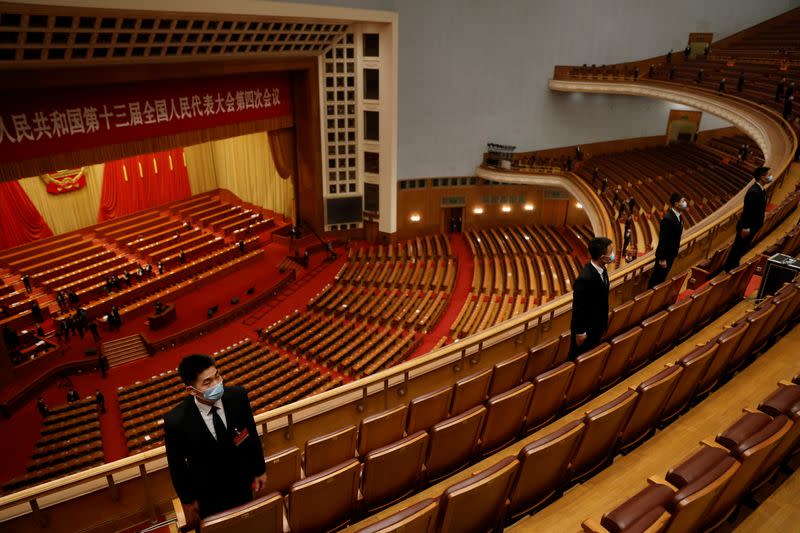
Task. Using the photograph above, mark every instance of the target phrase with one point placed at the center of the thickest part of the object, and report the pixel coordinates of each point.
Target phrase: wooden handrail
(762, 119)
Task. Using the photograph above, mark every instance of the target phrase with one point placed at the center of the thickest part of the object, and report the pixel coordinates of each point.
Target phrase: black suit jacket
(755, 205)
(204, 470)
(669, 236)
(589, 304)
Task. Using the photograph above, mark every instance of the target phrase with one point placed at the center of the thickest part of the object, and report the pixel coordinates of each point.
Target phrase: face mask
(612, 257)
(214, 393)
(770, 178)
(683, 205)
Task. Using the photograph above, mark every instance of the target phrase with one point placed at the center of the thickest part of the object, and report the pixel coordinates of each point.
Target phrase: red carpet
(461, 290)
(24, 424)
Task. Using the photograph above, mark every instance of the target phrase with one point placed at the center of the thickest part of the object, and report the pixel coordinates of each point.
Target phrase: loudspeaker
(780, 269)
(251, 290)
(234, 300)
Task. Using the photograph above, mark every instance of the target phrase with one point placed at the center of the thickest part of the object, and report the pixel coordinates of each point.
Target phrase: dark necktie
(605, 277)
(223, 437)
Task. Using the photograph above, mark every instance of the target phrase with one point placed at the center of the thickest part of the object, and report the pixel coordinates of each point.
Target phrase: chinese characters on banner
(34, 123)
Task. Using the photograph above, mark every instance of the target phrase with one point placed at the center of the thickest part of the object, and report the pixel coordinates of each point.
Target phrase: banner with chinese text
(34, 123)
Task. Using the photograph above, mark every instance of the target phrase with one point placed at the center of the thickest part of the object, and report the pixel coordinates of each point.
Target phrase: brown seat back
(744, 428)
(478, 503)
(619, 318)
(283, 469)
(649, 344)
(652, 396)
(543, 468)
(642, 509)
(696, 312)
(381, 429)
(588, 367)
(393, 471)
(262, 514)
(690, 503)
(659, 299)
(674, 324)
(549, 389)
(728, 342)
(418, 518)
(508, 373)
(453, 442)
(603, 428)
(622, 347)
(783, 401)
(505, 416)
(694, 365)
(540, 358)
(641, 303)
(752, 453)
(426, 410)
(564, 343)
(760, 328)
(470, 391)
(325, 500)
(331, 449)
(720, 296)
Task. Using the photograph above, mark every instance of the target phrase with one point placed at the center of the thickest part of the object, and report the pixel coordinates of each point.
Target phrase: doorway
(453, 219)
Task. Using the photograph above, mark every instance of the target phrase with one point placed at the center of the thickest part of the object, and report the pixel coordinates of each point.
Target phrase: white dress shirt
(600, 270)
(677, 213)
(205, 412)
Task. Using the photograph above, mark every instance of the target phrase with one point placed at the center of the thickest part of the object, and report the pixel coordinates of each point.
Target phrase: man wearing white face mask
(669, 239)
(755, 206)
(214, 453)
(590, 298)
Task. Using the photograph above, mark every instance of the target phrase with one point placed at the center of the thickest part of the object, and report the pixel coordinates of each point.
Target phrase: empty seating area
(516, 268)
(271, 379)
(224, 217)
(370, 317)
(554, 460)
(70, 441)
(651, 175)
(702, 491)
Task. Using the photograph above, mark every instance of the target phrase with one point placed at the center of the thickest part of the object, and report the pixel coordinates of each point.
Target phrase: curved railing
(299, 420)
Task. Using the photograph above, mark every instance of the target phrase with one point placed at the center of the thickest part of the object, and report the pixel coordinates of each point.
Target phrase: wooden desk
(165, 317)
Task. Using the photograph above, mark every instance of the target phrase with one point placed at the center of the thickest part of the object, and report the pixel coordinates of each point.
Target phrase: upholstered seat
(381, 429)
(649, 345)
(639, 511)
(426, 410)
(393, 471)
(470, 391)
(603, 428)
(418, 518)
(508, 374)
(478, 503)
(264, 514)
(588, 367)
(283, 469)
(453, 442)
(619, 318)
(641, 303)
(622, 347)
(784, 401)
(652, 395)
(543, 468)
(505, 416)
(325, 500)
(549, 389)
(747, 425)
(674, 324)
(540, 358)
(327, 450)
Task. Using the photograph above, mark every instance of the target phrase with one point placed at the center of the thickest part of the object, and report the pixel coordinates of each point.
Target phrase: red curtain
(137, 183)
(21, 221)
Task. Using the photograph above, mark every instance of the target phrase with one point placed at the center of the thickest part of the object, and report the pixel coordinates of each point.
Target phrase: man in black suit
(590, 298)
(669, 239)
(752, 218)
(213, 449)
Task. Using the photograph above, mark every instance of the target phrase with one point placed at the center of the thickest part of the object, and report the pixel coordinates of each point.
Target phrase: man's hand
(580, 338)
(745, 233)
(259, 482)
(191, 511)
(662, 263)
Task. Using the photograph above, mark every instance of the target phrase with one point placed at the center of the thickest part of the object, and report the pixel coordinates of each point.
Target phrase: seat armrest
(590, 525)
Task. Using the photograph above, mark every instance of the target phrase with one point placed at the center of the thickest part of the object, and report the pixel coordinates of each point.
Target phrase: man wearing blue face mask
(213, 449)
(752, 218)
(590, 298)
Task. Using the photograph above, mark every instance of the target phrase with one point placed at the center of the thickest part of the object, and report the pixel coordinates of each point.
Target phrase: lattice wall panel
(38, 36)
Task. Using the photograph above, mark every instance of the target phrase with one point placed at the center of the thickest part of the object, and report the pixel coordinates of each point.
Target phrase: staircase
(124, 350)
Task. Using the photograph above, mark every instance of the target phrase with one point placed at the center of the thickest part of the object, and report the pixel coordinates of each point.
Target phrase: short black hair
(192, 366)
(675, 198)
(598, 247)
